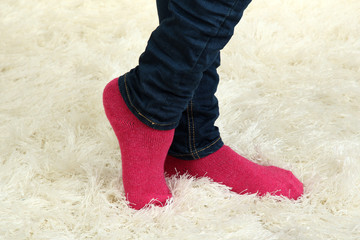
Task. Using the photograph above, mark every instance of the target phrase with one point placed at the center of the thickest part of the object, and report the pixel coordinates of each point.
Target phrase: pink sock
(243, 176)
(143, 151)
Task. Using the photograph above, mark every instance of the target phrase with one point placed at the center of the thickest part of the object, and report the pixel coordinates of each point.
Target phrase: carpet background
(289, 96)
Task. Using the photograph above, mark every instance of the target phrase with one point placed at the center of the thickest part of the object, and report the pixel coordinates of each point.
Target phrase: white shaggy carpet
(289, 96)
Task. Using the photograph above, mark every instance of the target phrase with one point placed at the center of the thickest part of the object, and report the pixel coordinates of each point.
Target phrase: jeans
(176, 79)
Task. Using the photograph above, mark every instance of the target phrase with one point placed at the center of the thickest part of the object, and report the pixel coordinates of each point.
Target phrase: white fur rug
(289, 96)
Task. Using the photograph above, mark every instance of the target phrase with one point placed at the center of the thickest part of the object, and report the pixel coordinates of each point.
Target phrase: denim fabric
(174, 84)
(196, 136)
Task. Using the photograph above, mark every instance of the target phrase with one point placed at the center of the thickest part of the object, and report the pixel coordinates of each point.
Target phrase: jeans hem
(203, 152)
(139, 115)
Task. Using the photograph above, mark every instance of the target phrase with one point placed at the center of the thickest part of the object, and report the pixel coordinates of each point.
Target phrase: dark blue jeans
(176, 79)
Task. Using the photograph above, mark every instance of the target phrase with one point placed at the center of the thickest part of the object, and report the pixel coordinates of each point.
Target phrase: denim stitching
(202, 149)
(138, 112)
(188, 118)
(193, 127)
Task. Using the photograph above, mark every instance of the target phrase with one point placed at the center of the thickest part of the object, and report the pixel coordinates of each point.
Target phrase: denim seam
(142, 115)
(202, 149)
(189, 129)
(193, 127)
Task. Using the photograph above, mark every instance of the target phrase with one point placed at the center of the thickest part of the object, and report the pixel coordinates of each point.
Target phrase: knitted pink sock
(143, 151)
(243, 176)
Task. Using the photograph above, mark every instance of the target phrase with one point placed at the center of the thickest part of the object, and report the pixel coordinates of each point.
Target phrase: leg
(196, 135)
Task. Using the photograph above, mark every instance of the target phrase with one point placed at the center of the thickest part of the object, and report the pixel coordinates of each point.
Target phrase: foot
(243, 176)
(143, 151)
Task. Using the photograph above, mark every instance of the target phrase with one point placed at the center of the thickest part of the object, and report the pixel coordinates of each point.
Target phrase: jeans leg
(196, 135)
(179, 51)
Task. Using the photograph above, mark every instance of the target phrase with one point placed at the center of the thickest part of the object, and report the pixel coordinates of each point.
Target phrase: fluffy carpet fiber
(289, 96)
